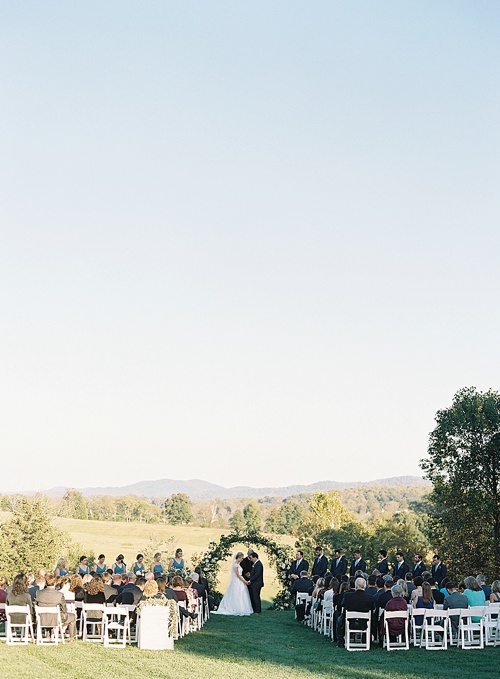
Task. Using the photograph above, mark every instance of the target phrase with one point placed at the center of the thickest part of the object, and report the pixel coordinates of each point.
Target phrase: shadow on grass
(290, 649)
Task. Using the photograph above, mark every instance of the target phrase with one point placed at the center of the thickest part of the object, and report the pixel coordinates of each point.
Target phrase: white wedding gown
(236, 600)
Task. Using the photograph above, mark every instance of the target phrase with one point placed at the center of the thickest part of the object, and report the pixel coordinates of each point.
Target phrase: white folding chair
(25, 629)
(435, 630)
(182, 621)
(471, 631)
(133, 629)
(3, 635)
(453, 634)
(153, 624)
(327, 618)
(356, 639)
(416, 629)
(402, 642)
(53, 623)
(117, 622)
(491, 623)
(305, 600)
(92, 630)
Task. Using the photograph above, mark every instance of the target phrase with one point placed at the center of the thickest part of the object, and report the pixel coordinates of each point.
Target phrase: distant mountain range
(202, 490)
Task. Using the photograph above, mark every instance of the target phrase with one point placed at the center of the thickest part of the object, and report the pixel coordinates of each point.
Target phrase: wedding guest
(64, 585)
(19, 596)
(474, 593)
(76, 587)
(481, 579)
(110, 592)
(131, 594)
(48, 596)
(60, 569)
(177, 562)
(454, 600)
(4, 583)
(86, 579)
(195, 579)
(396, 625)
(83, 567)
(425, 600)
(495, 592)
(37, 586)
(95, 595)
(418, 582)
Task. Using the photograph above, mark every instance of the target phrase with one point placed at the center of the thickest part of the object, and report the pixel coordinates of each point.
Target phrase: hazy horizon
(256, 244)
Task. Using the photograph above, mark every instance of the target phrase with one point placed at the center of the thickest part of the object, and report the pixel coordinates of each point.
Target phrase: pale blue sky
(265, 230)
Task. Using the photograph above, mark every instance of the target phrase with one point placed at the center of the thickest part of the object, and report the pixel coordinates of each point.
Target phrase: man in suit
(357, 600)
(339, 565)
(303, 585)
(401, 568)
(256, 581)
(357, 564)
(438, 570)
(320, 565)
(246, 565)
(419, 566)
(48, 596)
(131, 594)
(481, 581)
(382, 566)
(300, 564)
(454, 600)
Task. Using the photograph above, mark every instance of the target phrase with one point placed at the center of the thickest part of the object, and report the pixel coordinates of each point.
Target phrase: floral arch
(279, 556)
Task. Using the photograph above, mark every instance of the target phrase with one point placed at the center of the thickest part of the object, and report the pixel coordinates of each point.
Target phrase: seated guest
(48, 596)
(382, 566)
(4, 583)
(396, 625)
(300, 564)
(425, 600)
(132, 593)
(39, 584)
(95, 595)
(382, 598)
(110, 592)
(152, 597)
(474, 593)
(304, 584)
(202, 592)
(409, 583)
(442, 586)
(371, 582)
(402, 584)
(481, 579)
(418, 582)
(436, 594)
(495, 592)
(64, 585)
(117, 582)
(19, 596)
(76, 587)
(454, 599)
(358, 601)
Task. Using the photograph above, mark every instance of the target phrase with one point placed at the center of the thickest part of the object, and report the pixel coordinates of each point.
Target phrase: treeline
(277, 515)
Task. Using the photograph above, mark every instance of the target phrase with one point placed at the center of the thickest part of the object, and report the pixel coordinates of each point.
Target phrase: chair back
(153, 628)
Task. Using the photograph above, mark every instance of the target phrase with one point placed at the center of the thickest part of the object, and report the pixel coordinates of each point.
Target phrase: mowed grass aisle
(272, 646)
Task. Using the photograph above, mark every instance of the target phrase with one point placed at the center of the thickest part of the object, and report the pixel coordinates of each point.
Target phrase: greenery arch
(279, 556)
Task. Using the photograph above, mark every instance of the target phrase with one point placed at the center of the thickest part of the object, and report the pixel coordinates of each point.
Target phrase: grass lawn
(272, 646)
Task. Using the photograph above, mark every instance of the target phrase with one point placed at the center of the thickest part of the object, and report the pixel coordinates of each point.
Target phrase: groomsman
(438, 569)
(300, 564)
(339, 564)
(320, 565)
(419, 566)
(401, 568)
(357, 564)
(382, 566)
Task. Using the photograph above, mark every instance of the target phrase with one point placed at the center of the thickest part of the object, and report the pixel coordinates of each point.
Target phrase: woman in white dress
(236, 600)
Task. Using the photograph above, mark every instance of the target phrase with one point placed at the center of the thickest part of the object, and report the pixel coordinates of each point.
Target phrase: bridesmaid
(177, 563)
(119, 566)
(157, 566)
(83, 568)
(61, 569)
(139, 567)
(100, 566)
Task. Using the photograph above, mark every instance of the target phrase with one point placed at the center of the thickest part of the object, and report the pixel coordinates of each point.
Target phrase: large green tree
(253, 517)
(463, 465)
(178, 509)
(29, 541)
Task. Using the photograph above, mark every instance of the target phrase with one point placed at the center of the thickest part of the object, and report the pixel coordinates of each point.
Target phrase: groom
(256, 582)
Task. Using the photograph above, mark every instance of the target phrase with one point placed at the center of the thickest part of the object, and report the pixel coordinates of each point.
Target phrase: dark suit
(361, 566)
(129, 596)
(340, 568)
(455, 600)
(383, 567)
(418, 569)
(357, 600)
(401, 568)
(438, 572)
(256, 584)
(298, 566)
(303, 585)
(320, 566)
(50, 597)
(246, 567)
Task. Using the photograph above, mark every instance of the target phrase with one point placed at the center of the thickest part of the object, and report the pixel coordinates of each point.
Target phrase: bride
(236, 600)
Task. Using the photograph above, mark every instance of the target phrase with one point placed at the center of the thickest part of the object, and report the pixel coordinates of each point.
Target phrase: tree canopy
(463, 465)
(178, 509)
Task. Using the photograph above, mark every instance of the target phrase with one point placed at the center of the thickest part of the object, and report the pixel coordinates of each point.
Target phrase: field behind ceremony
(273, 645)
(112, 538)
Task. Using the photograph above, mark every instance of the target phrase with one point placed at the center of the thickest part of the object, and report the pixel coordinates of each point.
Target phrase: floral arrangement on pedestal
(279, 557)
